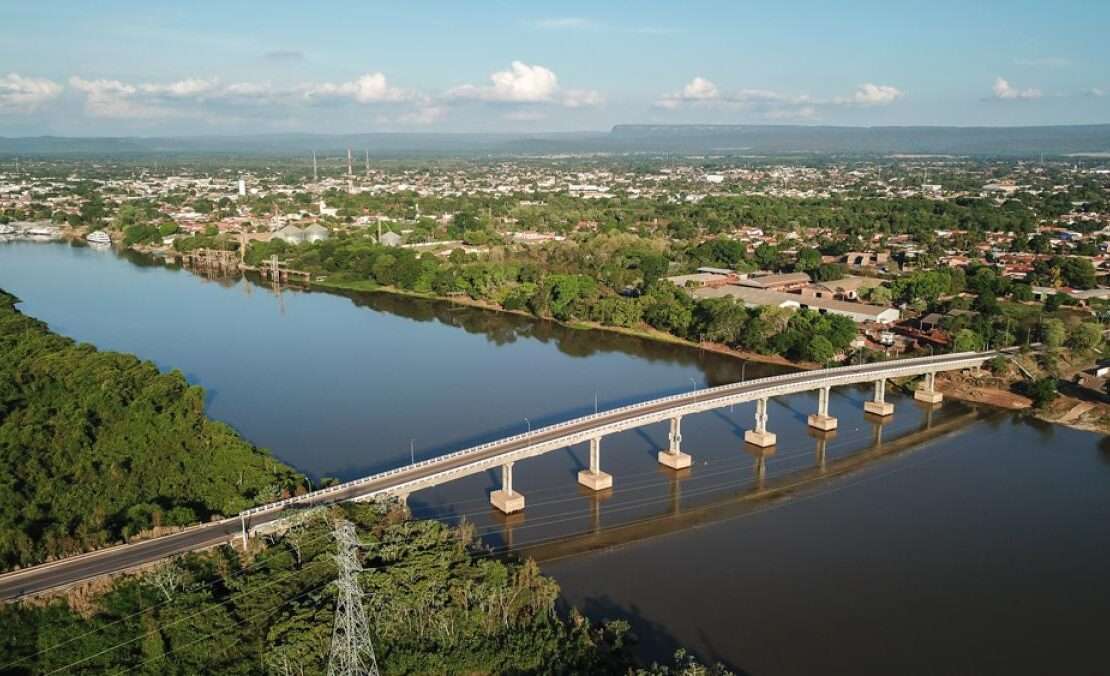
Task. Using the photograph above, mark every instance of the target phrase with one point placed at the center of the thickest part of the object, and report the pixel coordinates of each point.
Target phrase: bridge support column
(879, 406)
(760, 436)
(927, 391)
(593, 478)
(673, 457)
(507, 500)
(822, 420)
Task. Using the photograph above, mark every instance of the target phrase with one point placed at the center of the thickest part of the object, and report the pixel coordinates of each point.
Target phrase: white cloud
(369, 88)
(1095, 91)
(423, 116)
(182, 89)
(699, 88)
(524, 83)
(112, 98)
(1005, 91)
(19, 93)
(873, 95)
(581, 98)
(701, 92)
(696, 90)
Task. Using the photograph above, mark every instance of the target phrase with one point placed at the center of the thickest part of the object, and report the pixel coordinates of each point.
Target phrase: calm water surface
(942, 541)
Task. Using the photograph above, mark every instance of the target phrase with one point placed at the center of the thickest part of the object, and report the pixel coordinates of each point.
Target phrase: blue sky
(232, 67)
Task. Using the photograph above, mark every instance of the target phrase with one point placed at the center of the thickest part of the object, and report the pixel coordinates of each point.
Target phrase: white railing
(879, 368)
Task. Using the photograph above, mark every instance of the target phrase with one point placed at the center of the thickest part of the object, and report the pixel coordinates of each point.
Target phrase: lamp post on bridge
(412, 451)
(528, 423)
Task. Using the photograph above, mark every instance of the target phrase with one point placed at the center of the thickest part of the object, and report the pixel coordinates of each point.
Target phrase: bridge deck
(469, 461)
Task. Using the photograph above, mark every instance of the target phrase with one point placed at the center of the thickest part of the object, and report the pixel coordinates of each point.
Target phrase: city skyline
(126, 69)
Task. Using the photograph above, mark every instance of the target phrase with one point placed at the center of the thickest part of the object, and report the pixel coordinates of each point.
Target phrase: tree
(1053, 333)
(1021, 292)
(767, 257)
(808, 259)
(967, 340)
(1042, 391)
(820, 350)
(1086, 337)
(167, 578)
(879, 295)
(1078, 273)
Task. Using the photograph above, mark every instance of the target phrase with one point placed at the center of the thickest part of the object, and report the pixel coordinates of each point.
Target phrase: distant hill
(996, 141)
(656, 139)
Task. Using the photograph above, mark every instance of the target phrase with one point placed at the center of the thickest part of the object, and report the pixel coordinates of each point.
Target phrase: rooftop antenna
(315, 176)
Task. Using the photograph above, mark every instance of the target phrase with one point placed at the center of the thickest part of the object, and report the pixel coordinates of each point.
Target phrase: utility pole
(352, 653)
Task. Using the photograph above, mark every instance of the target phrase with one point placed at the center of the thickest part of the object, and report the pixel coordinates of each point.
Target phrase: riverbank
(645, 332)
(99, 447)
(1067, 409)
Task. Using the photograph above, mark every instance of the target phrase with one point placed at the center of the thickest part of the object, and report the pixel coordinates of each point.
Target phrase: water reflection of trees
(502, 328)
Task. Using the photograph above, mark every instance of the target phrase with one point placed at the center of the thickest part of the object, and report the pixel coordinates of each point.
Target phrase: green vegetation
(614, 282)
(1042, 391)
(99, 446)
(437, 602)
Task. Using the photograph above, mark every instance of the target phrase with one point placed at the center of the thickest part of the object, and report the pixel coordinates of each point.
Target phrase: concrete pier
(760, 436)
(927, 391)
(822, 420)
(507, 500)
(673, 457)
(593, 478)
(879, 405)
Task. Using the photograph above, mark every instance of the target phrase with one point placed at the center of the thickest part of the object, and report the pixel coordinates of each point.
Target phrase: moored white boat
(98, 237)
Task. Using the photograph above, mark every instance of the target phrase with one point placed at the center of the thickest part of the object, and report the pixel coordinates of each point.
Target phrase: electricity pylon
(352, 653)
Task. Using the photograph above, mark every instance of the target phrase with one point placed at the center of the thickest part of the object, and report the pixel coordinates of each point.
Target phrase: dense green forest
(437, 602)
(99, 446)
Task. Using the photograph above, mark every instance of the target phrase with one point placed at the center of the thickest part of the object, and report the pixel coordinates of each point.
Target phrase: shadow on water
(653, 640)
(681, 516)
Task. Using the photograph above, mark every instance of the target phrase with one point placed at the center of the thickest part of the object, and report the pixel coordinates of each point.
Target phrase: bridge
(505, 453)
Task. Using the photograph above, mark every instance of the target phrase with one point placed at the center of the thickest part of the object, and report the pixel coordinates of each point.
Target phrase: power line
(491, 552)
(352, 651)
(551, 519)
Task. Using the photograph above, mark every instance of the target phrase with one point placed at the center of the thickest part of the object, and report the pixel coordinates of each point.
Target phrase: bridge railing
(755, 383)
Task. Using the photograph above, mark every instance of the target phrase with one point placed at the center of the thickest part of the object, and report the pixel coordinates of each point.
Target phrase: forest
(97, 447)
(436, 599)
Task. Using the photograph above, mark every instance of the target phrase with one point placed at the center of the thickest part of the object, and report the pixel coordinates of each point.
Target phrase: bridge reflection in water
(705, 505)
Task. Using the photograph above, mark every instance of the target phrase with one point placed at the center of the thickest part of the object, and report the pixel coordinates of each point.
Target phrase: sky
(117, 68)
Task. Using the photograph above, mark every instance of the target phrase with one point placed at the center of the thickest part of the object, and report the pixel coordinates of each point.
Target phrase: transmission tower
(352, 653)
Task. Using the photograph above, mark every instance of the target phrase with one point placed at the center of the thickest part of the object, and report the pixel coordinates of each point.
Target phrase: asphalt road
(85, 567)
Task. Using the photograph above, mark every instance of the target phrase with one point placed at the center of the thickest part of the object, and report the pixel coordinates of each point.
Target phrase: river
(945, 540)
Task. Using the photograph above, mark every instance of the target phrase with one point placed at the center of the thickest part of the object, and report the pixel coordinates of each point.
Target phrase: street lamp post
(412, 451)
(528, 423)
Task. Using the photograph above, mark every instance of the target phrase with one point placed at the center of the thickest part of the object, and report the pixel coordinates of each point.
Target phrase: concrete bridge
(506, 453)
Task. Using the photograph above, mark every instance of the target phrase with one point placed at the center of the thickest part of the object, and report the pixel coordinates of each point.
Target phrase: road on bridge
(83, 567)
